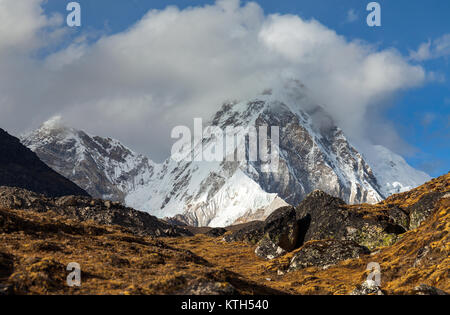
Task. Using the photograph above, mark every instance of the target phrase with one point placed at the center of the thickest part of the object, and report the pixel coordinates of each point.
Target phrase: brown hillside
(35, 248)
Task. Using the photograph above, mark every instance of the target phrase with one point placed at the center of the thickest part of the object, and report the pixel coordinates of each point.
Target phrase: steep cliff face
(20, 167)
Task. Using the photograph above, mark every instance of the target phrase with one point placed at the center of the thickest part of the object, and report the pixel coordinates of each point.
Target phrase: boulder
(268, 249)
(322, 216)
(422, 209)
(280, 234)
(250, 233)
(399, 217)
(325, 253)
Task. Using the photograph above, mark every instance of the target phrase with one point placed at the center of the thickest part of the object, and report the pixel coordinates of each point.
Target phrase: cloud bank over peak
(174, 65)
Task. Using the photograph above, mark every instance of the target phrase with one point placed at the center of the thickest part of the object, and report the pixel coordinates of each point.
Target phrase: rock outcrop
(325, 253)
(251, 233)
(280, 234)
(85, 209)
(322, 216)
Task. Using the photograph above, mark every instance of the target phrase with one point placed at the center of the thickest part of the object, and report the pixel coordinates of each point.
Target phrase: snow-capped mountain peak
(312, 153)
(102, 166)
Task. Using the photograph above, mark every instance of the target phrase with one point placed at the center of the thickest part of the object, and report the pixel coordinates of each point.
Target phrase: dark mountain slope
(20, 167)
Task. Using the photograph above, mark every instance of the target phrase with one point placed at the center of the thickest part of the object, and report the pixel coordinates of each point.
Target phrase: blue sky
(420, 115)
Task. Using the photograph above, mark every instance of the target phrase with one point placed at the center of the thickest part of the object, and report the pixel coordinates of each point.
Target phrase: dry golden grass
(399, 275)
(113, 261)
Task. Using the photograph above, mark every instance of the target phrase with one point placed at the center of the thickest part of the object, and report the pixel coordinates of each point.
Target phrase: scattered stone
(325, 253)
(368, 287)
(421, 254)
(205, 287)
(6, 289)
(67, 201)
(268, 249)
(425, 289)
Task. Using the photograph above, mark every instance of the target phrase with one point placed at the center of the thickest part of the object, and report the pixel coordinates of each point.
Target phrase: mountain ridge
(314, 154)
(20, 167)
(103, 166)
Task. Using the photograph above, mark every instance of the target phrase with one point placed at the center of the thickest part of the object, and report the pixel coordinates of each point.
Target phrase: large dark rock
(422, 209)
(251, 233)
(399, 217)
(322, 216)
(280, 234)
(20, 167)
(325, 253)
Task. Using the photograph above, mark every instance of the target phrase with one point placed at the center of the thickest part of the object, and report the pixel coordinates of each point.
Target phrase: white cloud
(22, 23)
(437, 48)
(174, 65)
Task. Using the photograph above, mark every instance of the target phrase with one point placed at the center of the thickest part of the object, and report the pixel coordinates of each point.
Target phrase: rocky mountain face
(102, 166)
(314, 154)
(20, 167)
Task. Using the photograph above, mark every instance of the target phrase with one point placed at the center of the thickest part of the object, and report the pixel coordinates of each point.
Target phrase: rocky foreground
(322, 246)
